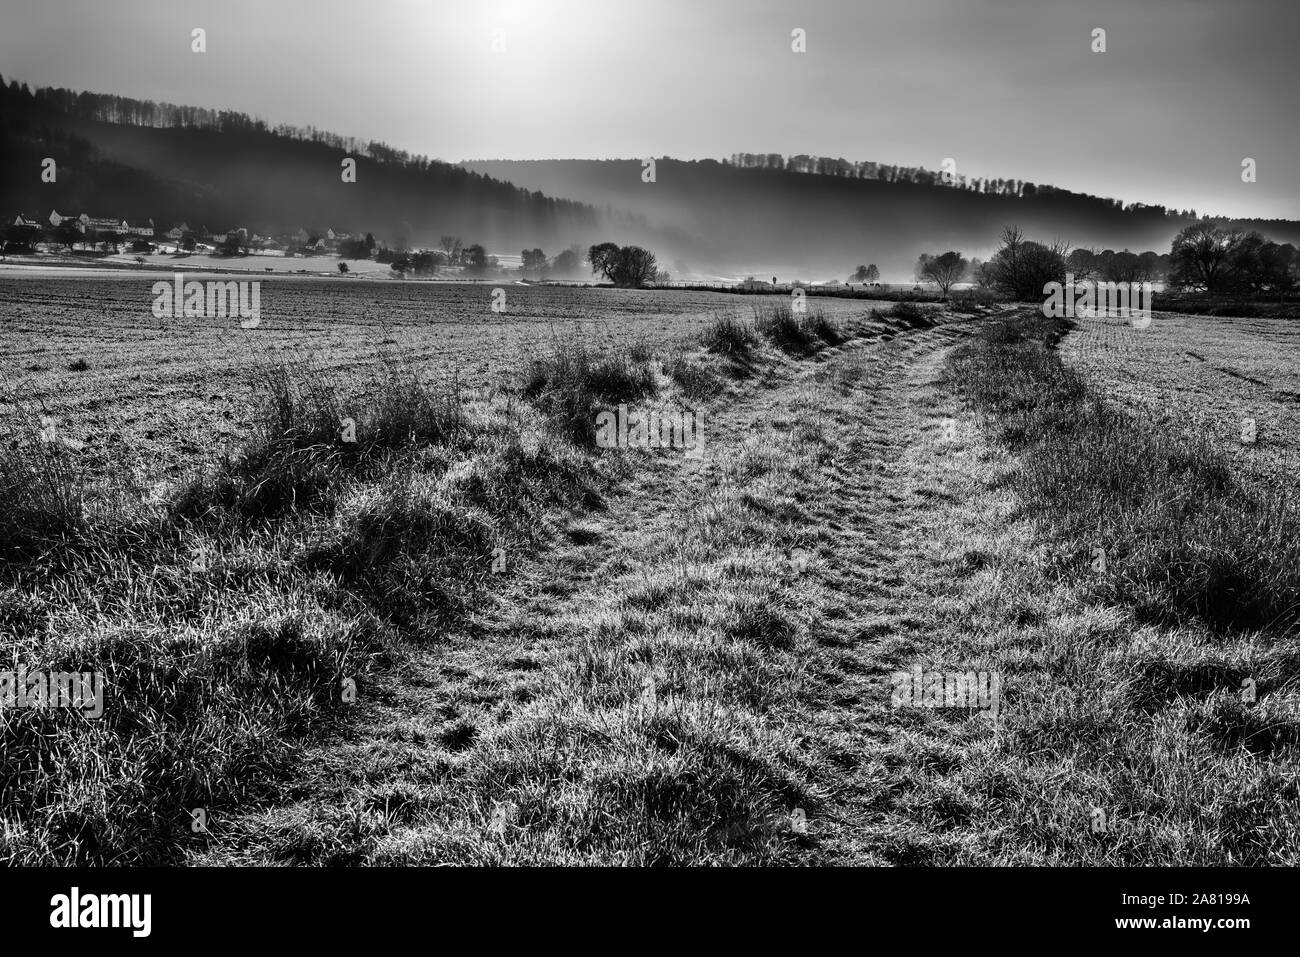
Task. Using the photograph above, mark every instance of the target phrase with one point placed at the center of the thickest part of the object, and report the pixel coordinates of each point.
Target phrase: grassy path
(689, 674)
(686, 661)
(700, 671)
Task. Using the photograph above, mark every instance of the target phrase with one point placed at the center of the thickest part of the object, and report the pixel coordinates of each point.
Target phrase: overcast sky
(1185, 90)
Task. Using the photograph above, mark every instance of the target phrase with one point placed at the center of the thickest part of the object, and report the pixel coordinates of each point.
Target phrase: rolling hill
(781, 221)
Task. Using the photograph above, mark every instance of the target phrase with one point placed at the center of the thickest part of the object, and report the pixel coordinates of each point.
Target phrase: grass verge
(1182, 535)
(231, 620)
(1151, 704)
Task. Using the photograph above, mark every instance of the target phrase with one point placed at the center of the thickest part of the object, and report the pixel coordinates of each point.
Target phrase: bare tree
(629, 266)
(942, 270)
(1021, 268)
(1202, 255)
(1127, 267)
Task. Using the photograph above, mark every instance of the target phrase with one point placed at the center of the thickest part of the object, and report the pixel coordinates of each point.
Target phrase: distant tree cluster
(1123, 266)
(943, 269)
(626, 266)
(567, 265)
(235, 244)
(1022, 267)
(413, 264)
(1220, 260)
(534, 265)
(125, 111)
(1223, 260)
(886, 173)
(202, 178)
(361, 248)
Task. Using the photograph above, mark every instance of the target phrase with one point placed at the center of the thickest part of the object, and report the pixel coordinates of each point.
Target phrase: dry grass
(44, 491)
(797, 333)
(681, 662)
(1184, 537)
(571, 383)
(228, 620)
(1153, 692)
(1203, 376)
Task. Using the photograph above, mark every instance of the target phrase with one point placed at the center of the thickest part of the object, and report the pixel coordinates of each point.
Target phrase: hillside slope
(821, 226)
(133, 159)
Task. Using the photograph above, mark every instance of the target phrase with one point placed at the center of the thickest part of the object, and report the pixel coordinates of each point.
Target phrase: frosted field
(173, 392)
(1203, 374)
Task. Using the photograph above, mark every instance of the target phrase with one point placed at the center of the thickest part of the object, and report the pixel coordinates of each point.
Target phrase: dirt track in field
(878, 505)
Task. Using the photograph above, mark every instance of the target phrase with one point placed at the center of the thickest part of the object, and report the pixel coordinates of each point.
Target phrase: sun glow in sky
(1009, 88)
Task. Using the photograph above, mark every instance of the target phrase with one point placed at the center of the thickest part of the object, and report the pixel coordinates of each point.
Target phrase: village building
(105, 224)
(84, 222)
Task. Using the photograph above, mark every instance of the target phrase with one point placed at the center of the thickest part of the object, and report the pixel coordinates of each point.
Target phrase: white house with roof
(77, 222)
(101, 224)
(106, 224)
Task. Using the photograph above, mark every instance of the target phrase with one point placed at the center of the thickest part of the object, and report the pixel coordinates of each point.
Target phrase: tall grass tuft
(223, 644)
(729, 335)
(572, 383)
(695, 379)
(911, 315)
(42, 486)
(797, 334)
(310, 433)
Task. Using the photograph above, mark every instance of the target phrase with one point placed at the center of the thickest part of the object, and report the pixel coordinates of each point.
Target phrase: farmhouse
(99, 224)
(103, 224)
